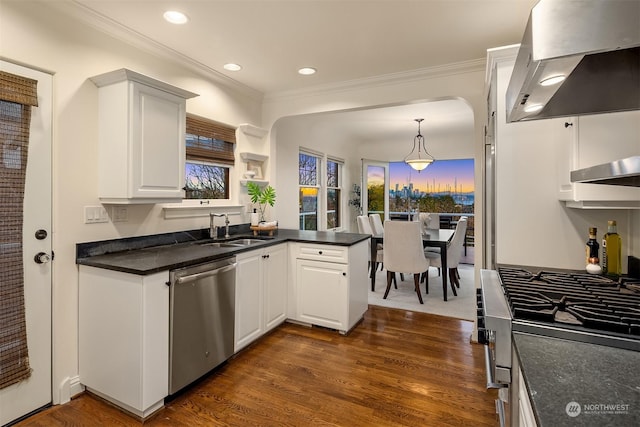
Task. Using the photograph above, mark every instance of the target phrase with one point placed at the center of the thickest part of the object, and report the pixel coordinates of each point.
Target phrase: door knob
(42, 258)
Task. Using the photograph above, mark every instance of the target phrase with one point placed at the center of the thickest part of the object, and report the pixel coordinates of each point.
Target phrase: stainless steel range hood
(620, 172)
(595, 44)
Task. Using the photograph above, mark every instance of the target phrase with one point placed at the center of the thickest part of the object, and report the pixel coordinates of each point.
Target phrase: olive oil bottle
(612, 250)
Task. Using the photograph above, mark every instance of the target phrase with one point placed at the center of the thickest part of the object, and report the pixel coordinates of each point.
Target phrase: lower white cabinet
(322, 293)
(330, 284)
(261, 293)
(124, 336)
(526, 418)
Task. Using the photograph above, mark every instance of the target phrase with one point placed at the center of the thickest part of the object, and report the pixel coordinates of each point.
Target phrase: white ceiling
(345, 40)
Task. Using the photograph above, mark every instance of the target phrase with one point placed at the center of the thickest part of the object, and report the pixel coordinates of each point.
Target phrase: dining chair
(454, 254)
(376, 223)
(364, 227)
(404, 252)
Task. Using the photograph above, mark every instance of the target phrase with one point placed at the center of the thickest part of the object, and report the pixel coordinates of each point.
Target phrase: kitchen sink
(221, 244)
(235, 243)
(246, 242)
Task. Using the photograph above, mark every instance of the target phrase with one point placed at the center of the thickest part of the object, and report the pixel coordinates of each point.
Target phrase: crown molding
(464, 67)
(498, 55)
(114, 29)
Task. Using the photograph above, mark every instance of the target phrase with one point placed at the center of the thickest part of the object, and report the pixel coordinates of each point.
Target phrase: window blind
(209, 141)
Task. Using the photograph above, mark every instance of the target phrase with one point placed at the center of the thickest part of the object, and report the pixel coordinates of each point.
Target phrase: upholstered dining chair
(364, 227)
(404, 252)
(454, 254)
(376, 224)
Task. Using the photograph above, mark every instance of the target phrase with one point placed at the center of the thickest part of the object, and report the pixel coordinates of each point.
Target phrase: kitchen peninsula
(314, 278)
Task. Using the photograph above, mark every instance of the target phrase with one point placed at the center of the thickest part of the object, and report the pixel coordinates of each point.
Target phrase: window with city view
(446, 187)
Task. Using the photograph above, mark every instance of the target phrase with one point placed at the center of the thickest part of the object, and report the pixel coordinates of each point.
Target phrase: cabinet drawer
(328, 253)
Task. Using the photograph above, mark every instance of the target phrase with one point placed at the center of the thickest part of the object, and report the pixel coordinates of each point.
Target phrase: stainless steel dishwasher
(201, 331)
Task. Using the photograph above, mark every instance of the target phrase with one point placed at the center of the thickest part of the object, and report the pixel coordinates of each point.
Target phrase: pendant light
(419, 158)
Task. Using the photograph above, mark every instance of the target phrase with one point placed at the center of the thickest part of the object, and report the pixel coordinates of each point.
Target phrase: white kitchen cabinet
(141, 138)
(592, 140)
(261, 293)
(123, 337)
(330, 284)
(526, 418)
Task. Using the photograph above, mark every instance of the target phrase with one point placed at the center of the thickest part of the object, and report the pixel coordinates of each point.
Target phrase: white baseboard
(68, 388)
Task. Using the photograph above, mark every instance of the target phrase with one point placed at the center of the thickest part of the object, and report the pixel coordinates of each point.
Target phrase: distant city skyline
(441, 176)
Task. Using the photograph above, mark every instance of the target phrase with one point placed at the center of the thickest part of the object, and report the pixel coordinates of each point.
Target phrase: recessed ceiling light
(533, 108)
(307, 71)
(232, 67)
(553, 80)
(175, 17)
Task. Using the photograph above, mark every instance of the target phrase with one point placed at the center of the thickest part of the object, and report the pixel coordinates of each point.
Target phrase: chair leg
(452, 280)
(426, 282)
(416, 282)
(402, 277)
(395, 282)
(389, 278)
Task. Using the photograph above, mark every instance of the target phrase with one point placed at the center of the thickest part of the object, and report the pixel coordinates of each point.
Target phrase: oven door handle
(489, 368)
(209, 273)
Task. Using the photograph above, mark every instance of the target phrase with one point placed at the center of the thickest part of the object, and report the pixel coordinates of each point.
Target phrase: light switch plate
(95, 215)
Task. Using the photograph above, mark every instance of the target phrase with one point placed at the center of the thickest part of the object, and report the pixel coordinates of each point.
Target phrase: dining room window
(334, 193)
(309, 189)
(209, 157)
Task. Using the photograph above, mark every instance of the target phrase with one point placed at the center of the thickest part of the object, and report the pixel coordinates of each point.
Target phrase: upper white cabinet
(592, 140)
(141, 138)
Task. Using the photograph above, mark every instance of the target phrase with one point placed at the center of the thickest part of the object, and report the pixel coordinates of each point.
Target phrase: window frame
(202, 127)
(322, 188)
(339, 200)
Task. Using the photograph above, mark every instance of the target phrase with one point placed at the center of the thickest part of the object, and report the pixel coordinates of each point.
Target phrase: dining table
(436, 238)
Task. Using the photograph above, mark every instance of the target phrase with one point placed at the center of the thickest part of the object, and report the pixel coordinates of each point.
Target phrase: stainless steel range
(560, 304)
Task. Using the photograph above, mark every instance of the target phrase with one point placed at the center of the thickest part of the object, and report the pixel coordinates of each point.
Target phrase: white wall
(461, 81)
(41, 37)
(532, 226)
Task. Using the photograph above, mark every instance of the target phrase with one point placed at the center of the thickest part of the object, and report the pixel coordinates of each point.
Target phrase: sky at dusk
(442, 175)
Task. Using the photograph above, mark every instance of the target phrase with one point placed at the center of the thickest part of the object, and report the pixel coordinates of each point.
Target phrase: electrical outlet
(95, 215)
(120, 214)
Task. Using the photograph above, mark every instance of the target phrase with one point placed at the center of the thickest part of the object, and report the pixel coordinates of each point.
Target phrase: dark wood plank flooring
(397, 368)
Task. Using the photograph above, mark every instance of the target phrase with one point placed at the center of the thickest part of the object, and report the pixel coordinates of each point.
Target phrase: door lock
(42, 258)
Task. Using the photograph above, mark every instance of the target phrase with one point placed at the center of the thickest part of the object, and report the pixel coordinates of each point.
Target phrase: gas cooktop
(576, 301)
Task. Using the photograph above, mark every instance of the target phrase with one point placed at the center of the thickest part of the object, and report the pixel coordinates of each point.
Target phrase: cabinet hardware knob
(344, 274)
(319, 252)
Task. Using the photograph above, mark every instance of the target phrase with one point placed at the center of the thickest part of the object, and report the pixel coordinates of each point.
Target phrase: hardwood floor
(397, 368)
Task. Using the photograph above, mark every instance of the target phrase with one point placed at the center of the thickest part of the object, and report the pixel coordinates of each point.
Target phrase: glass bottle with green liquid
(612, 250)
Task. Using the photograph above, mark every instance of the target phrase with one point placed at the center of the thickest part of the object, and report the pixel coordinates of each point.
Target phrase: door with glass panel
(25, 240)
(375, 188)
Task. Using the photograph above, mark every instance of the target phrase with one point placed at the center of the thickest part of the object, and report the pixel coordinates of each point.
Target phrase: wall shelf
(253, 157)
(260, 182)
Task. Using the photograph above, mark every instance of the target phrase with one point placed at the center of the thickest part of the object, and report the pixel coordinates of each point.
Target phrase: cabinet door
(322, 293)
(249, 314)
(275, 286)
(158, 143)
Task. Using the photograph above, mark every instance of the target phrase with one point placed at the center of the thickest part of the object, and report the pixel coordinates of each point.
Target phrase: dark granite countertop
(150, 254)
(604, 381)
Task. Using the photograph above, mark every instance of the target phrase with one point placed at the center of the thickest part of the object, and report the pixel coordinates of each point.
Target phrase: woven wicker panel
(14, 143)
(18, 89)
(209, 141)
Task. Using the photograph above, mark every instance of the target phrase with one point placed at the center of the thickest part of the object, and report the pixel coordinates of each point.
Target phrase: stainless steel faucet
(213, 229)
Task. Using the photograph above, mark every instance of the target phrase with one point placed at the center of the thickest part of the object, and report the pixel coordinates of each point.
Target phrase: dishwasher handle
(197, 276)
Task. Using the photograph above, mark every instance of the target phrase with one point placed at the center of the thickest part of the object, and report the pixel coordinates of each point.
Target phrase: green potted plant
(262, 196)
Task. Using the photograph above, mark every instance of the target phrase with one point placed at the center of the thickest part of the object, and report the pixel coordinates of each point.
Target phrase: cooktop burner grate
(594, 302)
